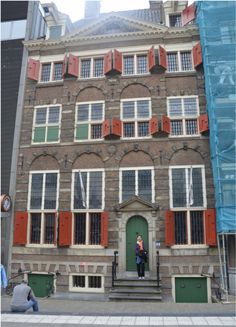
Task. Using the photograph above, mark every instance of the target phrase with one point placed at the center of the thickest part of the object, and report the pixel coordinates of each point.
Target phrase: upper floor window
(91, 67)
(43, 203)
(179, 61)
(175, 20)
(135, 64)
(187, 187)
(135, 115)
(137, 181)
(183, 113)
(51, 72)
(89, 118)
(46, 126)
(55, 31)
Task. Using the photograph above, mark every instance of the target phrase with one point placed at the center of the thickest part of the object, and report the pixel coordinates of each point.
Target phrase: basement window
(86, 283)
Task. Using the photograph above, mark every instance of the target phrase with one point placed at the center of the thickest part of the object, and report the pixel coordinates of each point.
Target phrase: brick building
(114, 142)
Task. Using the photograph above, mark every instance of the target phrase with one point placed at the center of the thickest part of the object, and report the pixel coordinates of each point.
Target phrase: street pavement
(57, 312)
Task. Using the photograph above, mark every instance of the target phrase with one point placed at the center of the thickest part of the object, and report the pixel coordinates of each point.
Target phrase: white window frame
(89, 121)
(188, 207)
(86, 288)
(136, 169)
(52, 63)
(91, 74)
(179, 61)
(183, 118)
(47, 124)
(135, 120)
(41, 210)
(174, 14)
(87, 195)
(135, 55)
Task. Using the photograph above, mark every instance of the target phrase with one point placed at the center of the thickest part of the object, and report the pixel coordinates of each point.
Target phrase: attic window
(55, 32)
(46, 10)
(175, 20)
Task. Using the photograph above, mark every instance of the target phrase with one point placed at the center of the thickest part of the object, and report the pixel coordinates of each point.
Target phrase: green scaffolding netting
(216, 21)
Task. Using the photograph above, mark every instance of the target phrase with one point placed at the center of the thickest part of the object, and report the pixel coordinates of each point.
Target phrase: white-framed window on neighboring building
(51, 71)
(88, 120)
(91, 67)
(55, 31)
(188, 202)
(137, 181)
(183, 113)
(135, 64)
(43, 205)
(86, 283)
(179, 61)
(46, 125)
(88, 204)
(135, 116)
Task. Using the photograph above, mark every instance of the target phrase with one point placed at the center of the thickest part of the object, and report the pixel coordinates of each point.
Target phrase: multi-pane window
(183, 113)
(86, 283)
(51, 72)
(91, 67)
(175, 20)
(137, 182)
(135, 116)
(179, 61)
(135, 64)
(89, 118)
(188, 202)
(43, 203)
(46, 125)
(88, 202)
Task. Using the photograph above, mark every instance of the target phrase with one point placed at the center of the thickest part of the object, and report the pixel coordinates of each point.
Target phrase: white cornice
(128, 36)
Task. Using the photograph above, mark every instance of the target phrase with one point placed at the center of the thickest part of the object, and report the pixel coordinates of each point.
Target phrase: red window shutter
(20, 228)
(65, 228)
(188, 14)
(165, 124)
(169, 228)
(106, 128)
(197, 55)
(104, 229)
(162, 57)
(73, 67)
(55, 229)
(116, 126)
(108, 62)
(153, 125)
(203, 123)
(117, 61)
(64, 66)
(210, 227)
(151, 58)
(33, 69)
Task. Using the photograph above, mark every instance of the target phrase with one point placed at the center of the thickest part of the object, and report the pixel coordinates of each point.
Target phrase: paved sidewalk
(104, 308)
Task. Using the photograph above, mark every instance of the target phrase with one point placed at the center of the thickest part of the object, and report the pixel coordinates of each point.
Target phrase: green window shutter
(39, 134)
(53, 132)
(82, 132)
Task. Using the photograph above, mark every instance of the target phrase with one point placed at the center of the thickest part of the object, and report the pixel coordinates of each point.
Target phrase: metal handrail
(158, 269)
(114, 265)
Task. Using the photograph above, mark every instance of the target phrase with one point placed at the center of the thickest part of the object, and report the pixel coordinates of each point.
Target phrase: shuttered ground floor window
(86, 283)
(87, 228)
(42, 228)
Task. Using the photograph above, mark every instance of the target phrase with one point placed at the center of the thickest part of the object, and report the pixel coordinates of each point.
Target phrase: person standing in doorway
(23, 298)
(140, 257)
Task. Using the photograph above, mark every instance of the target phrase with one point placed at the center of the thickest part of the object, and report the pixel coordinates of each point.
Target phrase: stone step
(136, 297)
(136, 282)
(144, 290)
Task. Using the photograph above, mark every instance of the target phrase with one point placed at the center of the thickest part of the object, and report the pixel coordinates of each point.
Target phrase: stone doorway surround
(133, 207)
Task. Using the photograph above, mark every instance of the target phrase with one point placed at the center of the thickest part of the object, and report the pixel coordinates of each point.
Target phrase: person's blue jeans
(22, 308)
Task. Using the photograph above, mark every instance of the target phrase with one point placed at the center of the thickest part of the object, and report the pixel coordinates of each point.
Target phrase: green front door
(190, 290)
(41, 284)
(135, 225)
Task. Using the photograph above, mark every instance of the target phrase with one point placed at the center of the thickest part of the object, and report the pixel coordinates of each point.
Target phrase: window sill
(189, 246)
(49, 246)
(135, 75)
(86, 290)
(180, 74)
(50, 83)
(90, 247)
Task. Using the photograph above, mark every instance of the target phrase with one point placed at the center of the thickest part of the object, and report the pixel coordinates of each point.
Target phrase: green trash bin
(41, 284)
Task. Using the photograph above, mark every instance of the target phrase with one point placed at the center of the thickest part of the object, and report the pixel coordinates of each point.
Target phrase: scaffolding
(216, 21)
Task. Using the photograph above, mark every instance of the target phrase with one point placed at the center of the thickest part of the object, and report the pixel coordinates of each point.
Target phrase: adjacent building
(115, 142)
